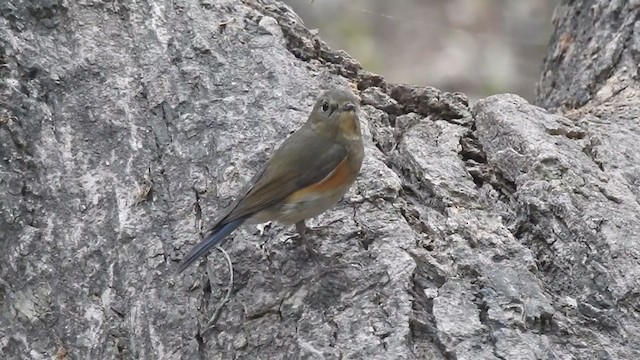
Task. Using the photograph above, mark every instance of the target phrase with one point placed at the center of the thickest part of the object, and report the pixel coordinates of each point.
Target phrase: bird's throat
(349, 126)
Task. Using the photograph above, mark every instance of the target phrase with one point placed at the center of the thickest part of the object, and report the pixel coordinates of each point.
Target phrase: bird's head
(335, 115)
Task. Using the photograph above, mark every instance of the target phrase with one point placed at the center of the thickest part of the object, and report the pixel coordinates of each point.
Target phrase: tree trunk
(498, 231)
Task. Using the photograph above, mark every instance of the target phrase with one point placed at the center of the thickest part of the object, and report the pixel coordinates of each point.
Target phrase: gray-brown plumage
(305, 176)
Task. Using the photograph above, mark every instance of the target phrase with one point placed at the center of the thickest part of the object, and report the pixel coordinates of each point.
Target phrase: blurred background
(479, 47)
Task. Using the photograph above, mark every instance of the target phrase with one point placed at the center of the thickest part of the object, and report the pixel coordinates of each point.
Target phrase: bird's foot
(318, 229)
(303, 233)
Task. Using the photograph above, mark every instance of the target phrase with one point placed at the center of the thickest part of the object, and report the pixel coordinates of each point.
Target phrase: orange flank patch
(338, 178)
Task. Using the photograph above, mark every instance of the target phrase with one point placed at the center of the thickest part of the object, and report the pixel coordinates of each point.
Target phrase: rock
(500, 230)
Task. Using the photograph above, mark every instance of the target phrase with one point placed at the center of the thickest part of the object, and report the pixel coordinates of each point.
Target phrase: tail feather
(209, 242)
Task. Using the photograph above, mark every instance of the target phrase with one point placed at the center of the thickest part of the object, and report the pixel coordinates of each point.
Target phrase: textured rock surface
(499, 231)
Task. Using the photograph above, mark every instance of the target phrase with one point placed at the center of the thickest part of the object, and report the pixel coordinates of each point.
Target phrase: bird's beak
(349, 107)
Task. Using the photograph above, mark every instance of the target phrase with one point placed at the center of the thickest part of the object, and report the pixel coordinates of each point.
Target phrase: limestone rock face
(494, 231)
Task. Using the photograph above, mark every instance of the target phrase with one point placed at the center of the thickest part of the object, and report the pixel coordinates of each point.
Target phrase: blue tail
(209, 242)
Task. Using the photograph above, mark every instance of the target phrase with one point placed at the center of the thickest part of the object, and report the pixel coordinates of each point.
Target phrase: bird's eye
(325, 106)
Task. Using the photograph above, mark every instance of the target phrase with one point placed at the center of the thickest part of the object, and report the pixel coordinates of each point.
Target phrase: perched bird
(308, 174)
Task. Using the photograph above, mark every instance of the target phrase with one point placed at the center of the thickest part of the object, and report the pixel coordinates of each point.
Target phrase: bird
(308, 174)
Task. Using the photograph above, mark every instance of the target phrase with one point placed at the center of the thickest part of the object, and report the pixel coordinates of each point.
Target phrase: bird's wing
(302, 160)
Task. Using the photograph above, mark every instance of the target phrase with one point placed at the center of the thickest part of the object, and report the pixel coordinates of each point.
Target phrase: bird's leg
(319, 228)
(302, 229)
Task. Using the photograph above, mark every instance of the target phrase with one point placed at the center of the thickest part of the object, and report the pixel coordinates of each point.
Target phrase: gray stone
(498, 231)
